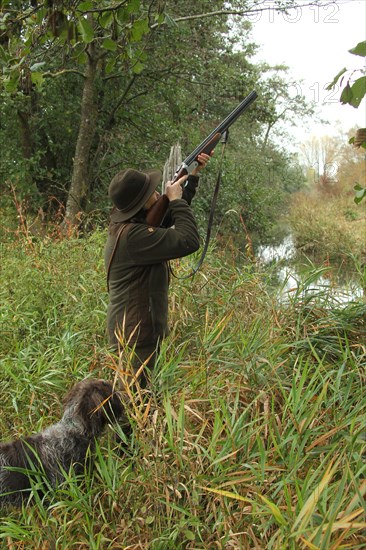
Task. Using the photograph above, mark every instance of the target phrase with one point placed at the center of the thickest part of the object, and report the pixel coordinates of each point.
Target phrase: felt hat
(129, 190)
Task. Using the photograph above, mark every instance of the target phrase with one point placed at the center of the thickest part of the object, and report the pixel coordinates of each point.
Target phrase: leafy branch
(353, 93)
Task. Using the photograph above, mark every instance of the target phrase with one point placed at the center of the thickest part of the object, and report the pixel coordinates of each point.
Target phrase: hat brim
(155, 179)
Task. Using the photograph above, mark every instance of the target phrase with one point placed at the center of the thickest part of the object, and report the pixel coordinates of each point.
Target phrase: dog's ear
(100, 405)
(73, 394)
(95, 403)
(87, 389)
(117, 404)
(109, 402)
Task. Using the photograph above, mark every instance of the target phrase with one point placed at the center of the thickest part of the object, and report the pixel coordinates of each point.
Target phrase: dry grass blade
(355, 500)
(309, 507)
(323, 438)
(228, 494)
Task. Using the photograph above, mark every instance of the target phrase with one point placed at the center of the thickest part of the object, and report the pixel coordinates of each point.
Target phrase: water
(293, 279)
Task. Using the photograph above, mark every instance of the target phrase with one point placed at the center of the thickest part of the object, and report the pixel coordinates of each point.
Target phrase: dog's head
(94, 403)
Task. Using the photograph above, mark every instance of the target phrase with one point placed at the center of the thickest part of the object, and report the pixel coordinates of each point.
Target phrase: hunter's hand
(203, 160)
(174, 190)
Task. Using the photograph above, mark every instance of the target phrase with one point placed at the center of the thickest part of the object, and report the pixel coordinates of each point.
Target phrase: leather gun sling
(119, 233)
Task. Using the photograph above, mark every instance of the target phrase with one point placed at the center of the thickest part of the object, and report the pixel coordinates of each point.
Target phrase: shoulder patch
(151, 229)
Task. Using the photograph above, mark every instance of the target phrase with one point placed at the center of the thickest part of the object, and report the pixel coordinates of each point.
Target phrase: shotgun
(156, 213)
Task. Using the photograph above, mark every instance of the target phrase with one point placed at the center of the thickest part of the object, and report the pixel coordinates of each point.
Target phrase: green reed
(252, 434)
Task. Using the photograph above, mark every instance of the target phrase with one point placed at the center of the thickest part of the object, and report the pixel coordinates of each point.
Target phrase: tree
(279, 103)
(112, 54)
(322, 160)
(89, 39)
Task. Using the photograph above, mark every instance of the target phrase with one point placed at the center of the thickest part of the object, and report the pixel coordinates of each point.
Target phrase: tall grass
(252, 434)
(329, 226)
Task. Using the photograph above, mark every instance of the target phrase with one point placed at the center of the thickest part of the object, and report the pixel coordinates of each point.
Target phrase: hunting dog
(88, 407)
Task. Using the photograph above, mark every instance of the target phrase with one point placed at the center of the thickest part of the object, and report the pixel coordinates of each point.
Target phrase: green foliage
(38, 131)
(145, 99)
(353, 93)
(254, 188)
(69, 38)
(360, 193)
(360, 49)
(255, 430)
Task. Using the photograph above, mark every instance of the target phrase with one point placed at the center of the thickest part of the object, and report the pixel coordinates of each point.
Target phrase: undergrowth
(252, 434)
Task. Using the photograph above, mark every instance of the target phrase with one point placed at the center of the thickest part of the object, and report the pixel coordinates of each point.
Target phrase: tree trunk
(171, 165)
(26, 135)
(80, 183)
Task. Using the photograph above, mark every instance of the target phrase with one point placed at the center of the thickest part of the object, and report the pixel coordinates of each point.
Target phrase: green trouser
(145, 355)
(137, 356)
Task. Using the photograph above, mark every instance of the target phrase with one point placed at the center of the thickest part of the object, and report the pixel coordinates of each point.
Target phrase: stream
(293, 275)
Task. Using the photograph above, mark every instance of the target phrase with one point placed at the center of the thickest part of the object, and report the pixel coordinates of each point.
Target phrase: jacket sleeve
(189, 191)
(149, 245)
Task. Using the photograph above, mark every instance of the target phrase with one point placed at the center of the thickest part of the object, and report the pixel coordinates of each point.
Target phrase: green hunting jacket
(139, 274)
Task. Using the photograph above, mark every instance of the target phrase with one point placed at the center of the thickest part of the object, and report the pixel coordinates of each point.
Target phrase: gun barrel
(224, 125)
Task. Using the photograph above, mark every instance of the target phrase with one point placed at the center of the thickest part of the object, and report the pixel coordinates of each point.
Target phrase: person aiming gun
(136, 258)
(146, 231)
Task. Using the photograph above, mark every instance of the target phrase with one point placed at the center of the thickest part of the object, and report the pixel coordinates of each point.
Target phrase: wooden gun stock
(156, 213)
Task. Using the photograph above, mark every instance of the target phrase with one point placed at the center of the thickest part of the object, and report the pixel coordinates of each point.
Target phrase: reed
(252, 434)
(330, 227)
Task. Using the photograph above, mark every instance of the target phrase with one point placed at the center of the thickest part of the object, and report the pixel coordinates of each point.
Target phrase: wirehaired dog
(48, 455)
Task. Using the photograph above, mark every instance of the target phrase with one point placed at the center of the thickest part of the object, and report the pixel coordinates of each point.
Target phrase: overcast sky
(314, 43)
